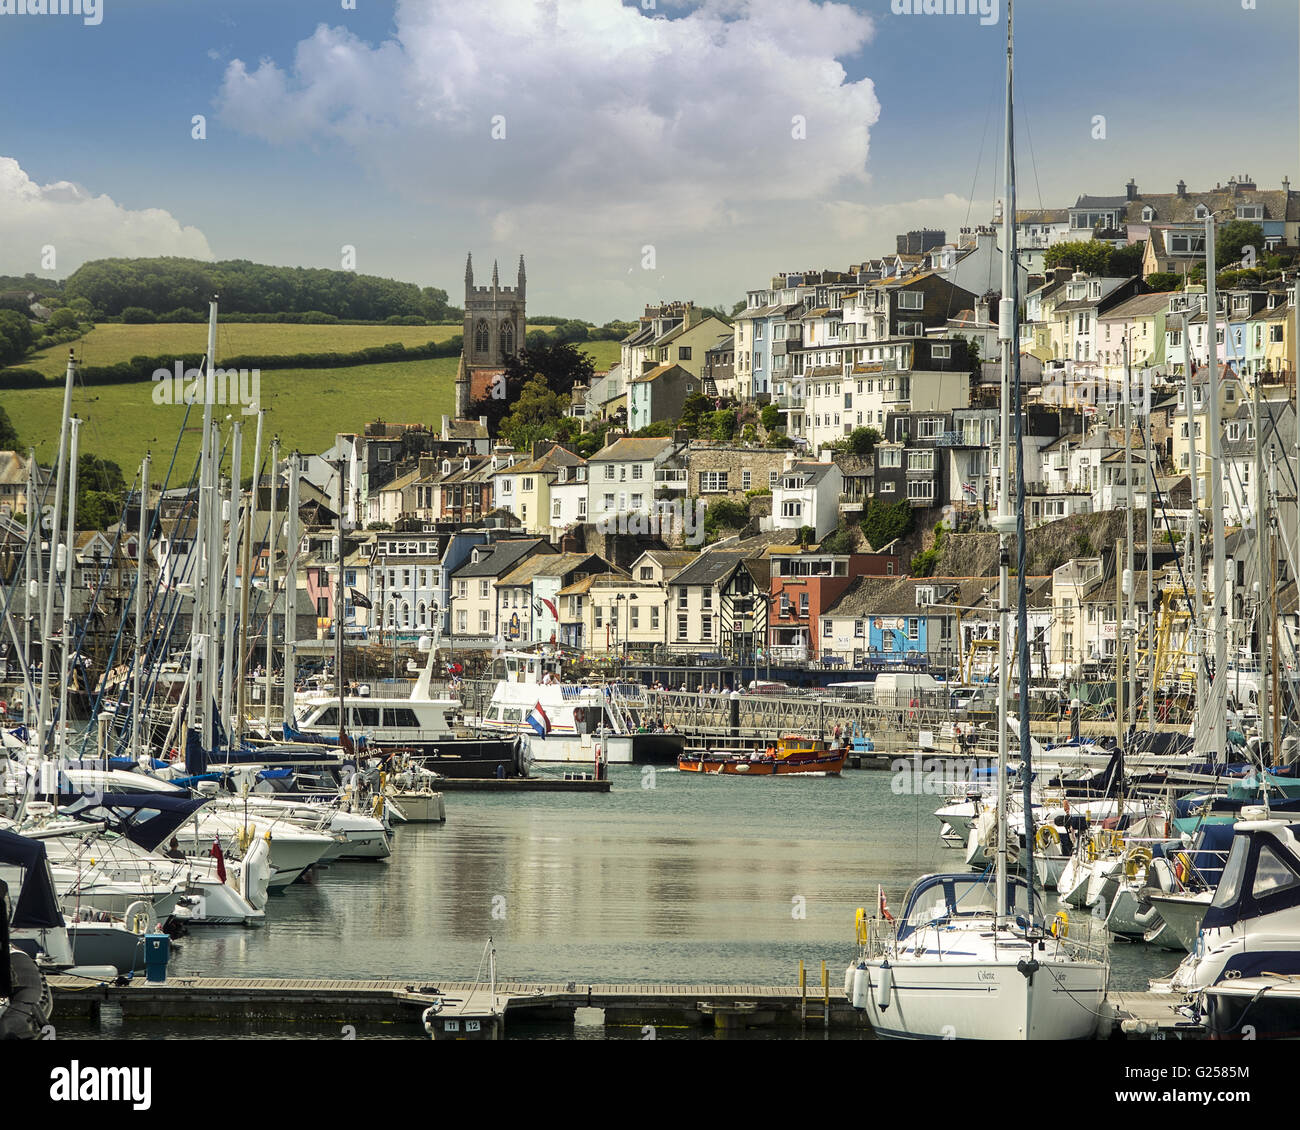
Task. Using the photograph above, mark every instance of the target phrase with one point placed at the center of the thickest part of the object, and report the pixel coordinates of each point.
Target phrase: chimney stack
(1182, 191)
(1131, 189)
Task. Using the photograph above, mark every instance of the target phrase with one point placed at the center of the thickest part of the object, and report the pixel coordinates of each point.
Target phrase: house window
(913, 628)
(889, 456)
(920, 489)
(792, 510)
(637, 500)
(713, 482)
(886, 488)
(555, 508)
(941, 352)
(826, 629)
(911, 300)
(859, 629)
(483, 621)
(638, 471)
(772, 475)
(646, 573)
(920, 460)
(681, 597)
(706, 628)
(803, 604)
(683, 627)
(683, 353)
(462, 621)
(654, 619)
(744, 480)
(483, 588)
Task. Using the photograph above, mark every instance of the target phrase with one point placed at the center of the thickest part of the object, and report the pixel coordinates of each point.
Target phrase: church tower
(494, 330)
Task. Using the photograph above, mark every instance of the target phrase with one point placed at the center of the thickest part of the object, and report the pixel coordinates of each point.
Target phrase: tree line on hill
(174, 289)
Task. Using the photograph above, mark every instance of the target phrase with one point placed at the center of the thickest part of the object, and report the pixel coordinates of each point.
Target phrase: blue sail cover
(37, 907)
(147, 819)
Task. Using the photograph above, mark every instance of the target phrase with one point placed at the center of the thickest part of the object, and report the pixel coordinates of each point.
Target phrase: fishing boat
(792, 754)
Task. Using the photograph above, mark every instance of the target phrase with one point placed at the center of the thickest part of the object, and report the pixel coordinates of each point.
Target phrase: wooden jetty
(644, 1007)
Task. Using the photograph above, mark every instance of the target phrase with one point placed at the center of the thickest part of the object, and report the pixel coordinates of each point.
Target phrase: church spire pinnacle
(469, 271)
(495, 281)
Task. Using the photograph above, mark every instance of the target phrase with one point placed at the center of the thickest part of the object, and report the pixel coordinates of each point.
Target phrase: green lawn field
(305, 407)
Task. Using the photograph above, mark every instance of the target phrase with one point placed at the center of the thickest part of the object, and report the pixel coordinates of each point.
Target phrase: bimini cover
(147, 819)
(36, 907)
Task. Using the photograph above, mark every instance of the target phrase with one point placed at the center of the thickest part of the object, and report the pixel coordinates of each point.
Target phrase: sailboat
(970, 958)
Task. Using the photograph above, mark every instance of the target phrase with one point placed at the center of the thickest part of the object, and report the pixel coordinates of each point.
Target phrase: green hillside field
(305, 407)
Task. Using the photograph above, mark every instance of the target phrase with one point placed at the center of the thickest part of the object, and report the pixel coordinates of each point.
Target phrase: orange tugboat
(792, 754)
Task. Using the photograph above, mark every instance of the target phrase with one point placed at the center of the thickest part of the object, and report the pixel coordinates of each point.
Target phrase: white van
(898, 688)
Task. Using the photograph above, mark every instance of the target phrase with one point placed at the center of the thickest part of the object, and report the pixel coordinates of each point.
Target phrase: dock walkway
(1137, 1015)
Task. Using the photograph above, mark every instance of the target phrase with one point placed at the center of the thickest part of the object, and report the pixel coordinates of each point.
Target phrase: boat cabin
(1262, 875)
(937, 899)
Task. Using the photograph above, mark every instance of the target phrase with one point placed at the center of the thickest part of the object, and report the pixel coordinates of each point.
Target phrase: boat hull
(955, 1000)
(828, 765)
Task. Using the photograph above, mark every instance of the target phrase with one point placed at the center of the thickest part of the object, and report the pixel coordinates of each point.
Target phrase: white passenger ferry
(562, 722)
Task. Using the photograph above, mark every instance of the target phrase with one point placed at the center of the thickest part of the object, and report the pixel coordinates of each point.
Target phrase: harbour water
(670, 877)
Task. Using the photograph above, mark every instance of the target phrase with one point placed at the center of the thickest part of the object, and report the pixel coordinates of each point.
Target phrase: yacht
(953, 968)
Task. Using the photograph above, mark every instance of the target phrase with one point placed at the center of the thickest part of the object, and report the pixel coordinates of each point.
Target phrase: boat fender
(848, 982)
(860, 926)
(861, 986)
(884, 987)
(1061, 925)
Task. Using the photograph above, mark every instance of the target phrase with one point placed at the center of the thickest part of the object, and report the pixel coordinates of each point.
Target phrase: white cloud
(80, 226)
(618, 125)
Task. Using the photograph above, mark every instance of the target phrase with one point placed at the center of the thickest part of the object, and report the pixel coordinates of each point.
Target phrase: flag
(359, 599)
(539, 721)
(969, 488)
(884, 908)
(215, 850)
(551, 605)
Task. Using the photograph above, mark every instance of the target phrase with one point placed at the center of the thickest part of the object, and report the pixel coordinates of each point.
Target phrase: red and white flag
(215, 850)
(884, 907)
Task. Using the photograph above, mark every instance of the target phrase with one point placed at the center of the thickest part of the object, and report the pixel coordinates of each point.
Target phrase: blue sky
(373, 128)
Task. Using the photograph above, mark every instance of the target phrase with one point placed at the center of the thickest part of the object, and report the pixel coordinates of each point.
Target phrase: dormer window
(1148, 214)
(1202, 212)
(1250, 211)
(446, 466)
(466, 463)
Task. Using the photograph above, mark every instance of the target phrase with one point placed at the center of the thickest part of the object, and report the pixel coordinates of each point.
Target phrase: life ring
(137, 917)
(579, 715)
(4, 707)
(1061, 925)
(861, 927)
(1136, 861)
(1048, 836)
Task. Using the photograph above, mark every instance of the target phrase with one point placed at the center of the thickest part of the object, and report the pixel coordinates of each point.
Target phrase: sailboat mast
(1198, 569)
(271, 536)
(141, 551)
(1130, 595)
(47, 616)
(1262, 569)
(1218, 577)
(291, 591)
(69, 567)
(338, 603)
(232, 553)
(246, 568)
